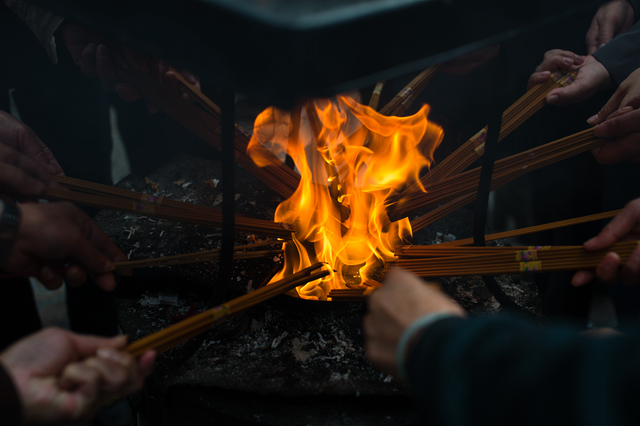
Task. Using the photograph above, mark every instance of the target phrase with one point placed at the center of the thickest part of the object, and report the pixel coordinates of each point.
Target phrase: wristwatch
(9, 223)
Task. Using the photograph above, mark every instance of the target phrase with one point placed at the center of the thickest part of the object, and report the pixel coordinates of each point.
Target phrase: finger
(50, 279)
(88, 61)
(129, 378)
(86, 345)
(146, 362)
(118, 370)
(583, 277)
(127, 93)
(607, 270)
(612, 105)
(626, 148)
(105, 69)
(606, 32)
(565, 95)
(83, 383)
(634, 102)
(15, 181)
(75, 276)
(537, 78)
(619, 126)
(630, 274)
(591, 38)
(620, 226)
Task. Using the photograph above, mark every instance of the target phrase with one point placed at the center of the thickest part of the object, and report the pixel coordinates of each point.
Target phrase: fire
(350, 159)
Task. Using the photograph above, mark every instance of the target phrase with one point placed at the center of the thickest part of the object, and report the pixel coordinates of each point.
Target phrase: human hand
(624, 124)
(61, 376)
(26, 164)
(402, 299)
(627, 95)
(592, 77)
(90, 52)
(624, 227)
(612, 18)
(51, 235)
(552, 61)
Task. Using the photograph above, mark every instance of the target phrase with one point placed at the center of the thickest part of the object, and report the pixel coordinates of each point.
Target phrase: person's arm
(621, 56)
(499, 371)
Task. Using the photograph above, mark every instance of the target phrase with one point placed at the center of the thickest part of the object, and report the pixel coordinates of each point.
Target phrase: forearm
(501, 372)
(41, 22)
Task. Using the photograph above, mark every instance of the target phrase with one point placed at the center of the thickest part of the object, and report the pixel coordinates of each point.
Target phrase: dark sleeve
(10, 409)
(621, 56)
(495, 371)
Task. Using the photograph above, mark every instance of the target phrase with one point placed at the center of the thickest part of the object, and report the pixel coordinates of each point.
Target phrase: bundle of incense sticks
(375, 96)
(461, 261)
(206, 124)
(530, 103)
(201, 256)
(107, 197)
(403, 100)
(505, 170)
(357, 294)
(530, 229)
(191, 327)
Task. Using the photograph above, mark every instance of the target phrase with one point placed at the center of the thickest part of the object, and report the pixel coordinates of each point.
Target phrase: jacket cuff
(621, 56)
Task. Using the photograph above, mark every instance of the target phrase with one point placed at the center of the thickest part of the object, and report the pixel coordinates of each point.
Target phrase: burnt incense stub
(281, 350)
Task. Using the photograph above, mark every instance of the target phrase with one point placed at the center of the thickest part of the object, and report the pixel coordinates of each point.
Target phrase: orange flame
(350, 159)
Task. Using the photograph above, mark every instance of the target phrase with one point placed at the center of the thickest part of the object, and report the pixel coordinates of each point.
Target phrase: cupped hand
(591, 78)
(552, 61)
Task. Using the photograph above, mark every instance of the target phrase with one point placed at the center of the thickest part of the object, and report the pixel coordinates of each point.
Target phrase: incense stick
(191, 327)
(505, 170)
(206, 124)
(403, 100)
(375, 96)
(463, 261)
(535, 228)
(530, 103)
(107, 197)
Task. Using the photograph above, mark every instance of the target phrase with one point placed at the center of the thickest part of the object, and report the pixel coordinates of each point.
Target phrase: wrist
(9, 224)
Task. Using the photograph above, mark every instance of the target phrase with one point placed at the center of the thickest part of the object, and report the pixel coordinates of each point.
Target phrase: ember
(350, 159)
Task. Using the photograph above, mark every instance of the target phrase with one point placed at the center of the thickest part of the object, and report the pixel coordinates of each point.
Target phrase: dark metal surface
(284, 49)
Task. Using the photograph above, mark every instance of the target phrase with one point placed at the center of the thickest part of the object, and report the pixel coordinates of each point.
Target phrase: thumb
(565, 95)
(88, 345)
(607, 30)
(610, 107)
(620, 226)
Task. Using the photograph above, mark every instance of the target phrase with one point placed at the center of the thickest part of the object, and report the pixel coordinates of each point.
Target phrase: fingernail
(108, 266)
(601, 130)
(593, 120)
(589, 241)
(552, 99)
(545, 74)
(567, 60)
(580, 57)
